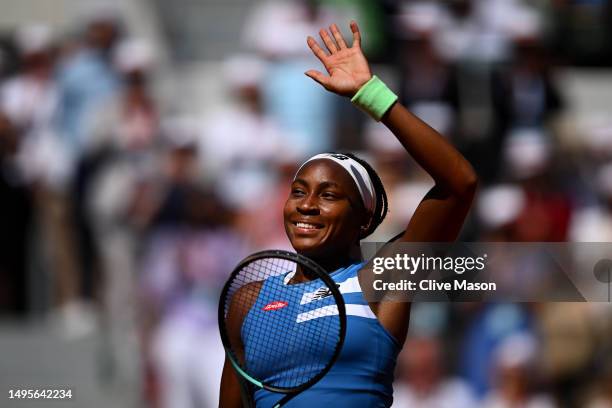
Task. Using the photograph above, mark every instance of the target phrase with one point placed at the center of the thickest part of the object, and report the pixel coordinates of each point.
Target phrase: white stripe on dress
(351, 285)
(332, 310)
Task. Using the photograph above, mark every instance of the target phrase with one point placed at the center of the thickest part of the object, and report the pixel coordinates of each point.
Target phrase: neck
(335, 261)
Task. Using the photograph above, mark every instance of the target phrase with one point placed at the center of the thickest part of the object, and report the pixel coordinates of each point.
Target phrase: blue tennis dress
(363, 374)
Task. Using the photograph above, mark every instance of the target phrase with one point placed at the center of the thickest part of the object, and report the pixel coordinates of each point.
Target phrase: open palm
(347, 67)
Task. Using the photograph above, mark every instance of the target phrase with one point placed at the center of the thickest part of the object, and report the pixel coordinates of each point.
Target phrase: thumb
(319, 77)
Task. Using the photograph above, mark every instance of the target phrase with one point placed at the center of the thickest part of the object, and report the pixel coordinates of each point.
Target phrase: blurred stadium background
(147, 145)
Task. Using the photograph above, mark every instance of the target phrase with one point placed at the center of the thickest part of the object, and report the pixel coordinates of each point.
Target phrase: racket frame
(324, 277)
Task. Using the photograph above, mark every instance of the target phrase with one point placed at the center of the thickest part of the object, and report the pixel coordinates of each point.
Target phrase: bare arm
(440, 215)
(230, 395)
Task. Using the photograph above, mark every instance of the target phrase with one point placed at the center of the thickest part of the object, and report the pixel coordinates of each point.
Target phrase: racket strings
(286, 343)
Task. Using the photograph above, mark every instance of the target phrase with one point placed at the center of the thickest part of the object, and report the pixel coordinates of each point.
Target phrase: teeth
(305, 225)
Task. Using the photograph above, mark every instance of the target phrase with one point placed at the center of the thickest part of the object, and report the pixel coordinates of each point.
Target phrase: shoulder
(243, 299)
(248, 291)
(349, 271)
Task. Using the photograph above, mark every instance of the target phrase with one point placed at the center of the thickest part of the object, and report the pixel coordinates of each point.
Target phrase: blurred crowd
(122, 219)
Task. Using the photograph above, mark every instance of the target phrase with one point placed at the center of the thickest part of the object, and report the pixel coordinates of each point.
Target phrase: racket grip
(246, 393)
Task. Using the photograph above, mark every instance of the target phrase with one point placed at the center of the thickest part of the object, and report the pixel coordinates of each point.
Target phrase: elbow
(462, 182)
(468, 185)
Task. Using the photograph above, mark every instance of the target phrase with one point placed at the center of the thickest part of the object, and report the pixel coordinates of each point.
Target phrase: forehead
(323, 170)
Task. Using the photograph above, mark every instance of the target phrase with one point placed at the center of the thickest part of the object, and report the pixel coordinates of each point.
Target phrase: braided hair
(380, 212)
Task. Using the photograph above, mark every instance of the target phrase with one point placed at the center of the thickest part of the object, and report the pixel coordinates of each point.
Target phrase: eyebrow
(324, 184)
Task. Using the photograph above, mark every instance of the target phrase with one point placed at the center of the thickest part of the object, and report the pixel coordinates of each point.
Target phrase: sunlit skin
(325, 196)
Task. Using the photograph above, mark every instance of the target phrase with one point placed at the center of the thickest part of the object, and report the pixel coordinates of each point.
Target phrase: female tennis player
(338, 199)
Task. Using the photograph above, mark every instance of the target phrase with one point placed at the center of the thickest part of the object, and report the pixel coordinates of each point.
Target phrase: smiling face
(324, 213)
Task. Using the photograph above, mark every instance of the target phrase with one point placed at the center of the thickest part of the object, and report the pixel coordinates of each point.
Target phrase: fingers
(333, 45)
(337, 36)
(319, 77)
(356, 34)
(329, 43)
(317, 51)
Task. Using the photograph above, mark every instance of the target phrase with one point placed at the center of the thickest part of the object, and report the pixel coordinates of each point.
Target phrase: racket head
(243, 289)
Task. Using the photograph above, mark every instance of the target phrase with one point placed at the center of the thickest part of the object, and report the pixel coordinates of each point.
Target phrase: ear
(365, 227)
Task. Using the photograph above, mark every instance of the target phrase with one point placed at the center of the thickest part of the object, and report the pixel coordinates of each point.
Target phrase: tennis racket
(281, 336)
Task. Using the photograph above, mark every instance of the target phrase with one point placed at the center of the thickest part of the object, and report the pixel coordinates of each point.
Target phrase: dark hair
(380, 212)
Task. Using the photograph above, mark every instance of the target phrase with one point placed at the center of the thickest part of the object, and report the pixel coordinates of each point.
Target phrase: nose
(309, 204)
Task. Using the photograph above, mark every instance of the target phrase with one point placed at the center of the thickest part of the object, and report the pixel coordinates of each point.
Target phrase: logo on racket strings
(277, 304)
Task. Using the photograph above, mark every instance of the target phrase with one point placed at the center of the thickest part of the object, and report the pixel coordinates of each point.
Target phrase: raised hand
(347, 67)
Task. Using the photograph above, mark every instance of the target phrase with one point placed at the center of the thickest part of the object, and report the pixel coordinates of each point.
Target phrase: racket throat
(285, 400)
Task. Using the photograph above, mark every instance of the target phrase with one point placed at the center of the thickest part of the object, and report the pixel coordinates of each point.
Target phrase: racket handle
(246, 393)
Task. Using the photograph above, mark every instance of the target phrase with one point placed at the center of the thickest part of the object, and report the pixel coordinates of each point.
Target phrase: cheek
(346, 221)
(288, 210)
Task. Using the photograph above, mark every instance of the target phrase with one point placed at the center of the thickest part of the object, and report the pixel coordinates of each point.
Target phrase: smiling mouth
(307, 225)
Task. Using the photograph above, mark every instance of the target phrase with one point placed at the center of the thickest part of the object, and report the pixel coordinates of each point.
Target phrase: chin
(306, 249)
(304, 246)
